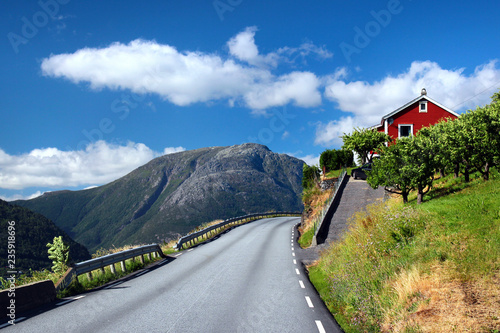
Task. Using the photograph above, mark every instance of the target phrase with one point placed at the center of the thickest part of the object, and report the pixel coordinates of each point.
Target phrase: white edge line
(309, 302)
(69, 300)
(321, 329)
(143, 272)
(64, 302)
(114, 284)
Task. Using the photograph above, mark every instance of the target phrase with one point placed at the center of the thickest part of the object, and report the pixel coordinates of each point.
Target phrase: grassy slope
(428, 268)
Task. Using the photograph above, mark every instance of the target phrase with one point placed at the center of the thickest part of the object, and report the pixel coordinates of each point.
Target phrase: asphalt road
(247, 280)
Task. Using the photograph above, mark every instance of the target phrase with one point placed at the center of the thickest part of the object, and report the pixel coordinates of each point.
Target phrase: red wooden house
(411, 117)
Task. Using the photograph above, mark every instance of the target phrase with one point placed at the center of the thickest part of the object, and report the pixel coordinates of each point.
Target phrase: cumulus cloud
(21, 197)
(99, 163)
(184, 78)
(309, 159)
(365, 103)
(331, 132)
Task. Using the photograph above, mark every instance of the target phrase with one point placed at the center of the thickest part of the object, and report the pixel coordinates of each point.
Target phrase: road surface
(247, 280)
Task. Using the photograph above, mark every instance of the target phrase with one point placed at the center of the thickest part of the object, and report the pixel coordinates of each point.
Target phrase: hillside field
(433, 267)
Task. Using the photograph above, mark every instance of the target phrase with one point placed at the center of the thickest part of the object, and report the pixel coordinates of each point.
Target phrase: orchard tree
(407, 165)
(484, 137)
(386, 171)
(365, 142)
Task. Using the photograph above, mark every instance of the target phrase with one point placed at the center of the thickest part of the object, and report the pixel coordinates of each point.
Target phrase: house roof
(421, 97)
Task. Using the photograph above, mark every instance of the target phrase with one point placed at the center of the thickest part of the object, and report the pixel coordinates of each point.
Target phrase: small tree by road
(365, 142)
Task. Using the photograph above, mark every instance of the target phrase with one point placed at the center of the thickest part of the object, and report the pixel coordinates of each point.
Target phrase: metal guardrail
(193, 238)
(321, 218)
(107, 260)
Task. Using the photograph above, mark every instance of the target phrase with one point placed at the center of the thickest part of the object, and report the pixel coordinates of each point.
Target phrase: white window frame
(420, 107)
(399, 130)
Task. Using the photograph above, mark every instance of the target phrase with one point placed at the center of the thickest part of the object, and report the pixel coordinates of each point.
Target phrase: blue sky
(91, 90)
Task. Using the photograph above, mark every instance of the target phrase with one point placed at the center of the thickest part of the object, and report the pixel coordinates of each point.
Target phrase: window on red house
(405, 130)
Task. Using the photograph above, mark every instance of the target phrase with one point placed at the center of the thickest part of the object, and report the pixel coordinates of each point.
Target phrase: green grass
(336, 173)
(306, 238)
(453, 236)
(98, 278)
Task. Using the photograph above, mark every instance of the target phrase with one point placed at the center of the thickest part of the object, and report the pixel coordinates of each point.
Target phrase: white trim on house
(399, 129)
(421, 97)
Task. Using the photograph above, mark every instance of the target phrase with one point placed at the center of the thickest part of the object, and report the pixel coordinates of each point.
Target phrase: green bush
(336, 159)
(310, 176)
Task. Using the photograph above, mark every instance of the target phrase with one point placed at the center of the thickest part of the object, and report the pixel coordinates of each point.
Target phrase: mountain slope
(174, 193)
(32, 231)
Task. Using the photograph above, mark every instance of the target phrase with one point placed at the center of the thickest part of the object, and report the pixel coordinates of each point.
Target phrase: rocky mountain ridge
(174, 193)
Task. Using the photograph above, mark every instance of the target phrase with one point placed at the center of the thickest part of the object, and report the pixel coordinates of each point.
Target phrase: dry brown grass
(438, 302)
(103, 252)
(316, 206)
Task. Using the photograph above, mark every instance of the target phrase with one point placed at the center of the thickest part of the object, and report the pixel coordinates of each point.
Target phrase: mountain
(174, 193)
(31, 232)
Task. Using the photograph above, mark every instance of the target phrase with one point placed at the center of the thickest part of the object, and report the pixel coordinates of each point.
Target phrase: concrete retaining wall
(26, 297)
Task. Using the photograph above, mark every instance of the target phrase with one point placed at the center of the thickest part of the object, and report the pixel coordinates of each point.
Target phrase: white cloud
(330, 134)
(366, 102)
(184, 78)
(301, 88)
(310, 159)
(243, 47)
(21, 197)
(99, 163)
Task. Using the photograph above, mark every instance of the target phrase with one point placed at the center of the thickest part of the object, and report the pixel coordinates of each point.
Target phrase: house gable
(411, 117)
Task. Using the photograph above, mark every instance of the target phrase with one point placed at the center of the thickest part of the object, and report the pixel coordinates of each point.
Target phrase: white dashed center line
(321, 329)
(301, 284)
(309, 302)
(297, 271)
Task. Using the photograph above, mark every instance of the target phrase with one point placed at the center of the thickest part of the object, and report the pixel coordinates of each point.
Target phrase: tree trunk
(420, 194)
(405, 197)
(441, 173)
(486, 174)
(466, 174)
(456, 170)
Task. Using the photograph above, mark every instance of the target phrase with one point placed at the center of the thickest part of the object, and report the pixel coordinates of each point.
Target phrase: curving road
(248, 280)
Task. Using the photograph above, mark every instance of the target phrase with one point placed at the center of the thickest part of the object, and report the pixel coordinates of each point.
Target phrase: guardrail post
(149, 256)
(102, 270)
(141, 258)
(123, 267)
(112, 268)
(89, 276)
